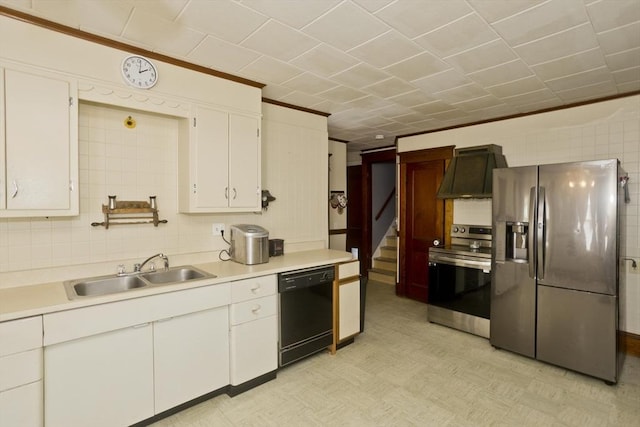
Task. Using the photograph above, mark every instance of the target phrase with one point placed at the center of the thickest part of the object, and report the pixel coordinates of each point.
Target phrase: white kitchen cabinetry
(191, 356)
(38, 143)
(219, 165)
(253, 317)
(116, 363)
(348, 300)
(21, 399)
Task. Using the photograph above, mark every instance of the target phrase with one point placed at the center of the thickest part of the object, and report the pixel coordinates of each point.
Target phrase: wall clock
(139, 72)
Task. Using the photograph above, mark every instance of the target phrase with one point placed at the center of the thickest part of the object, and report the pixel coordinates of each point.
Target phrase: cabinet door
(349, 311)
(22, 406)
(209, 185)
(40, 131)
(191, 356)
(102, 380)
(244, 162)
(254, 349)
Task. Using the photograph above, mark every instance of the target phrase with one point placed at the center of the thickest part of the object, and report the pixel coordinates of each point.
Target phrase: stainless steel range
(460, 280)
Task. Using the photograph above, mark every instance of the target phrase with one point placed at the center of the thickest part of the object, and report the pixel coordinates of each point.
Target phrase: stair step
(391, 241)
(388, 252)
(383, 276)
(385, 263)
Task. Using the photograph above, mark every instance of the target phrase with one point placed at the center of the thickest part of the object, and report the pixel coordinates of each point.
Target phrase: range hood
(470, 173)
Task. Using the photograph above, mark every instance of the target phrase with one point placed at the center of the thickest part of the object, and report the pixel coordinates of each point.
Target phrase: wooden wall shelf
(127, 212)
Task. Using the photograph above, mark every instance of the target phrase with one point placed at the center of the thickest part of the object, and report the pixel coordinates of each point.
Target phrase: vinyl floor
(404, 371)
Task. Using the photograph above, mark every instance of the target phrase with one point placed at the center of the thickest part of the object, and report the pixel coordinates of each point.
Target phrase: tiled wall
(604, 130)
(134, 164)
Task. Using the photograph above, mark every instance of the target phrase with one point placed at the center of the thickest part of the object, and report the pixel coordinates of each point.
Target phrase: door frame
(381, 156)
(418, 156)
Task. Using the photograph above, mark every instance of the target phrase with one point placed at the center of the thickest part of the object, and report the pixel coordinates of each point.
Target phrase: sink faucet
(138, 267)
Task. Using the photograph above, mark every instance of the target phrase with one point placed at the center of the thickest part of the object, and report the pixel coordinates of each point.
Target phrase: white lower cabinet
(191, 356)
(253, 318)
(21, 372)
(100, 380)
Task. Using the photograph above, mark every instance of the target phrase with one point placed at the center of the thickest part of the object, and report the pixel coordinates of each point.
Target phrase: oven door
(460, 284)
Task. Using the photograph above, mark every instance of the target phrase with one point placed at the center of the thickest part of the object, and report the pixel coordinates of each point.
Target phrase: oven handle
(462, 262)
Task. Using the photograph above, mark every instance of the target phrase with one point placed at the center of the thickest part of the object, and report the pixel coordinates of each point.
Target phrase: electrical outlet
(217, 229)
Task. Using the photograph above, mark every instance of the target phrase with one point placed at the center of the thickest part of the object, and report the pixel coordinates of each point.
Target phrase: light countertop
(32, 300)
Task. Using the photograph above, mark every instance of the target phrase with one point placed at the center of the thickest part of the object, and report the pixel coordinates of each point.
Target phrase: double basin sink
(106, 285)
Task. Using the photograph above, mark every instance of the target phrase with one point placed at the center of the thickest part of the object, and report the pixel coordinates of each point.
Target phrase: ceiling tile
(626, 76)
(585, 78)
(309, 83)
(413, 18)
(545, 19)
(482, 102)
(457, 36)
(325, 60)
(481, 57)
(433, 107)
(587, 60)
(625, 59)
(342, 94)
(494, 11)
(576, 39)
(345, 27)
(62, 11)
(440, 81)
(419, 66)
(279, 41)
(294, 13)
(299, 98)
(454, 114)
(273, 91)
(461, 93)
(528, 98)
(359, 76)
(385, 50)
(517, 87)
(269, 70)
(621, 38)
(604, 17)
(373, 5)
(222, 55)
(161, 34)
(166, 9)
(390, 87)
(412, 99)
(409, 118)
(585, 93)
(629, 87)
(506, 72)
(227, 20)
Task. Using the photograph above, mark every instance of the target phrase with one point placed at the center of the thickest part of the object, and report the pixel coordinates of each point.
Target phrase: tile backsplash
(132, 164)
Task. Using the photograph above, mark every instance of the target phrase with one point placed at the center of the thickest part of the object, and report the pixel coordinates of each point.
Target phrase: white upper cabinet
(219, 165)
(39, 144)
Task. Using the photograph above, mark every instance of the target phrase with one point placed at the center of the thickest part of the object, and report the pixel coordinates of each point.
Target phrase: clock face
(139, 72)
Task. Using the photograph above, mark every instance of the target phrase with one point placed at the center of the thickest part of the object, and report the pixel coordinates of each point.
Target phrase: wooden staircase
(385, 266)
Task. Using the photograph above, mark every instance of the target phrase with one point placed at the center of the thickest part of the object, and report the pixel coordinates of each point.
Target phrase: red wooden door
(422, 220)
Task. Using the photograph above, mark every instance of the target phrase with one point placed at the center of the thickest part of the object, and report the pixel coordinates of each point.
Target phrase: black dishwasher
(306, 312)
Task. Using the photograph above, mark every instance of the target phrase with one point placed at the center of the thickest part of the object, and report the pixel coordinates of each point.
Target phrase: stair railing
(386, 202)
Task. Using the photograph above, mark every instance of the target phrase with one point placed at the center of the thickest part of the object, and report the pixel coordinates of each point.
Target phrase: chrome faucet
(138, 267)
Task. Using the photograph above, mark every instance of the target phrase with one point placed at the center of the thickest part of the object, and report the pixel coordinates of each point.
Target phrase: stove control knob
(462, 229)
(436, 242)
(455, 229)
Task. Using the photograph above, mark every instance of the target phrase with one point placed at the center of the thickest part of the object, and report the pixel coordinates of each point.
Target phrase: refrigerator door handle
(530, 248)
(541, 232)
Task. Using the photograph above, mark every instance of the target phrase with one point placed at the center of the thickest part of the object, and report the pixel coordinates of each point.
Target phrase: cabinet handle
(166, 319)
(226, 193)
(235, 193)
(255, 289)
(15, 189)
(71, 186)
(256, 309)
(142, 325)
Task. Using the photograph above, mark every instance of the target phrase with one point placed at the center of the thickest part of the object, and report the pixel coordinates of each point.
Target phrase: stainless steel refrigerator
(557, 251)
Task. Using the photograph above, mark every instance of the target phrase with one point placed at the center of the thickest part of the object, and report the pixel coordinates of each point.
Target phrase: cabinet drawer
(83, 322)
(252, 310)
(20, 335)
(20, 368)
(244, 290)
(348, 269)
(22, 406)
